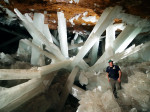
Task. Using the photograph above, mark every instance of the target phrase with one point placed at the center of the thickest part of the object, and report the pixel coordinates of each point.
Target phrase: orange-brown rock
(71, 10)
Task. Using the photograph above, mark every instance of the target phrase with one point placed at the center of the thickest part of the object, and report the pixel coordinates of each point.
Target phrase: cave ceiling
(81, 15)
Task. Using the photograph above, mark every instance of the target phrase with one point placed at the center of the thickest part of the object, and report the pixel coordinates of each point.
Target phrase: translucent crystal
(99, 65)
(62, 30)
(49, 55)
(9, 95)
(83, 79)
(94, 52)
(109, 102)
(77, 92)
(133, 110)
(11, 74)
(103, 24)
(125, 38)
(6, 58)
(110, 36)
(44, 70)
(35, 33)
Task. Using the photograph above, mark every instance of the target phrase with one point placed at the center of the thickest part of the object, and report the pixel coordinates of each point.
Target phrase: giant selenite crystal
(36, 72)
(110, 34)
(99, 66)
(35, 33)
(38, 22)
(94, 52)
(13, 93)
(103, 24)
(23, 92)
(125, 38)
(49, 55)
(62, 30)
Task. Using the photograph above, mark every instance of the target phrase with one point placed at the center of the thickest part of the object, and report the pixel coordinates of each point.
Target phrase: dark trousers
(115, 85)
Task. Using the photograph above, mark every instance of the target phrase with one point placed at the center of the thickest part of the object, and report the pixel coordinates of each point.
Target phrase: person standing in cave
(114, 77)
